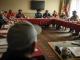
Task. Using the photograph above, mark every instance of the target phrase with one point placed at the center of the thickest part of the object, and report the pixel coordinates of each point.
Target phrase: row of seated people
(46, 14)
(20, 14)
(38, 14)
(7, 15)
(10, 14)
(74, 17)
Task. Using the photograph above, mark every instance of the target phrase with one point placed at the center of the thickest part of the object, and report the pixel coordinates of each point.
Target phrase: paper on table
(75, 51)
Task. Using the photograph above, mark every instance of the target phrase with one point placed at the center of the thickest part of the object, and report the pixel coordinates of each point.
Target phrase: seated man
(74, 18)
(5, 14)
(21, 40)
(20, 14)
(63, 16)
(10, 14)
(46, 14)
(55, 14)
(38, 14)
(2, 21)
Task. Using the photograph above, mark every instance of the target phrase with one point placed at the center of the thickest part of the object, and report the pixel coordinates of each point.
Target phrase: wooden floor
(49, 35)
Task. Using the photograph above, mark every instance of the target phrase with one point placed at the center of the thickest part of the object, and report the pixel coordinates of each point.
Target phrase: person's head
(20, 11)
(38, 10)
(22, 38)
(5, 13)
(10, 11)
(54, 12)
(46, 11)
(74, 13)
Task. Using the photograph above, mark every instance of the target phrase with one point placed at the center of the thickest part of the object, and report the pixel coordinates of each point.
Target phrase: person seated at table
(46, 14)
(2, 20)
(74, 17)
(54, 14)
(5, 13)
(10, 14)
(63, 15)
(22, 39)
(20, 14)
(38, 14)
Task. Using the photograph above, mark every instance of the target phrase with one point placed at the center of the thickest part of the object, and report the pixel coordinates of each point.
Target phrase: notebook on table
(75, 51)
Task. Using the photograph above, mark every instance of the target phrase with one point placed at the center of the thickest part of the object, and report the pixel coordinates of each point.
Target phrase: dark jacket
(2, 21)
(38, 15)
(46, 15)
(74, 18)
(15, 56)
(54, 15)
(19, 15)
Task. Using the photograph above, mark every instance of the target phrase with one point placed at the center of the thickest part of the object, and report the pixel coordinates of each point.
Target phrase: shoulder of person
(77, 16)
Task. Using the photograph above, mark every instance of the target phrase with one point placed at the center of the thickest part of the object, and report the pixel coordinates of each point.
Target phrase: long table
(40, 22)
(69, 24)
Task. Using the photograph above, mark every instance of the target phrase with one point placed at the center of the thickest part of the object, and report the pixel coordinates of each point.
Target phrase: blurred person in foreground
(21, 40)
